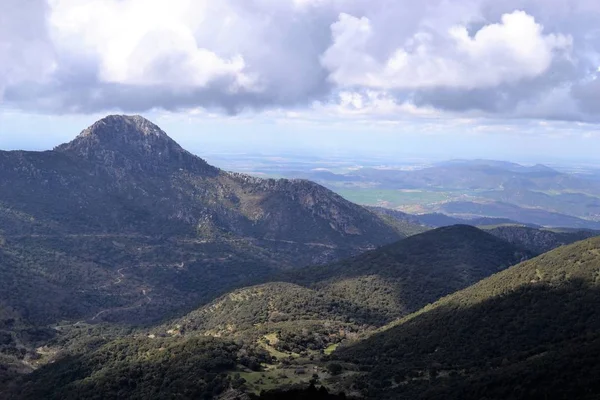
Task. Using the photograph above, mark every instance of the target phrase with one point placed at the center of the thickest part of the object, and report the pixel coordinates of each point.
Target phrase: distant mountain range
(410, 223)
(534, 238)
(470, 189)
(132, 269)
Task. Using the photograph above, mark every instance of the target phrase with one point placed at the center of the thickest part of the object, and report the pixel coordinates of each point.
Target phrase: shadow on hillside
(418, 270)
(138, 368)
(538, 342)
(310, 393)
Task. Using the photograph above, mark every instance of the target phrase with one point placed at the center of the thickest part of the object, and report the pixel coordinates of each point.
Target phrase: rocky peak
(131, 142)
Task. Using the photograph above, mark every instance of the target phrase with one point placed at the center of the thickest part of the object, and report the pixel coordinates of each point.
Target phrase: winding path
(119, 280)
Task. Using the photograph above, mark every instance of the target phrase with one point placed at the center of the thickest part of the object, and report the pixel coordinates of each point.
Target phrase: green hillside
(141, 368)
(404, 276)
(529, 332)
(540, 241)
(289, 318)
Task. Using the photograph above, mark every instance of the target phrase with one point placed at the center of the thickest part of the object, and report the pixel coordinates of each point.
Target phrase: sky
(515, 80)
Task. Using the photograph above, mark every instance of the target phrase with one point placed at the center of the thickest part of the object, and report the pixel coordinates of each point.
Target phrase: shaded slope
(540, 241)
(140, 368)
(510, 336)
(405, 224)
(405, 276)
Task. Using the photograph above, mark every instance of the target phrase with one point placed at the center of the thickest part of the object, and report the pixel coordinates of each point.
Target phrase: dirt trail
(121, 276)
(118, 281)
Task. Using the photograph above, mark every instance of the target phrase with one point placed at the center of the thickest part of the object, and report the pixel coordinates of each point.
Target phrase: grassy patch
(267, 343)
(275, 378)
(394, 198)
(331, 348)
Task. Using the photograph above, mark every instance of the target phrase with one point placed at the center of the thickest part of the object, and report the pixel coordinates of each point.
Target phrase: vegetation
(402, 277)
(105, 238)
(123, 225)
(141, 368)
(527, 321)
(286, 319)
(540, 241)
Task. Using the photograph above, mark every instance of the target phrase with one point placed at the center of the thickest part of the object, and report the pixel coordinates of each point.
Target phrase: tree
(334, 368)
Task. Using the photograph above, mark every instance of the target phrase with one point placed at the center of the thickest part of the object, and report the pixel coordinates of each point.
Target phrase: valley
(299, 200)
(178, 278)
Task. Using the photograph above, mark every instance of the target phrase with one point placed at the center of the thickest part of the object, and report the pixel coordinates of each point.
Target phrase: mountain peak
(131, 142)
(121, 130)
(126, 124)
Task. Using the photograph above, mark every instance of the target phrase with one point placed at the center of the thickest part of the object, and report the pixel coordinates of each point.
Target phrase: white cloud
(505, 52)
(371, 103)
(143, 42)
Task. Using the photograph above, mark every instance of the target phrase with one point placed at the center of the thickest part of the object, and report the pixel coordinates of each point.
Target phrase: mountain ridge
(402, 277)
(526, 321)
(124, 203)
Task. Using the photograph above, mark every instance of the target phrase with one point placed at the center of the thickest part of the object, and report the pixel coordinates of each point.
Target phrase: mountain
(410, 224)
(540, 241)
(122, 224)
(532, 237)
(325, 305)
(280, 329)
(124, 173)
(530, 216)
(536, 194)
(288, 319)
(404, 276)
(405, 224)
(529, 332)
(437, 220)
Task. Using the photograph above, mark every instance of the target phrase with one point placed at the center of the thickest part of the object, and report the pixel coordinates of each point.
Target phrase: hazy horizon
(220, 135)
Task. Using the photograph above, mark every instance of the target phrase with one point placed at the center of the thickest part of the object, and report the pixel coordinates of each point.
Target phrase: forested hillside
(402, 277)
(124, 224)
(537, 321)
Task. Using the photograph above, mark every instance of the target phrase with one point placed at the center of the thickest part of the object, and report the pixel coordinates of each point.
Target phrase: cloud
(144, 42)
(25, 52)
(499, 53)
(473, 58)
